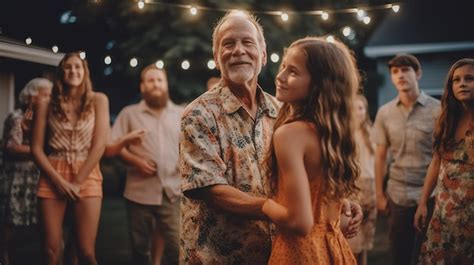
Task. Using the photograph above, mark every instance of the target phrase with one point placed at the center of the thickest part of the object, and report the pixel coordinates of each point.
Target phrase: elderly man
(224, 137)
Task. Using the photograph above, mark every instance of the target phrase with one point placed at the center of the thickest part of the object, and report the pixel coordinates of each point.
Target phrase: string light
(274, 57)
(185, 65)
(160, 64)
(133, 62)
(325, 15)
(141, 4)
(366, 20)
(361, 14)
(346, 31)
(107, 60)
(193, 10)
(395, 8)
(211, 64)
(330, 38)
(283, 15)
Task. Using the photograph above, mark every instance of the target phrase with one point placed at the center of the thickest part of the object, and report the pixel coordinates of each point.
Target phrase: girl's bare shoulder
(100, 97)
(295, 131)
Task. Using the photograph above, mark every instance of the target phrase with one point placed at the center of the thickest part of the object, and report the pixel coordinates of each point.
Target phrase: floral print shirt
(221, 143)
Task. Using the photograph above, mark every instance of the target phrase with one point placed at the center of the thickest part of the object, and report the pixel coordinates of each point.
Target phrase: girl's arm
(19, 150)
(297, 215)
(133, 137)
(430, 183)
(14, 138)
(99, 137)
(37, 144)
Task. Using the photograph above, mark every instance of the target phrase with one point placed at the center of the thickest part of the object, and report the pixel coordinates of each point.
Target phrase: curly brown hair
(334, 82)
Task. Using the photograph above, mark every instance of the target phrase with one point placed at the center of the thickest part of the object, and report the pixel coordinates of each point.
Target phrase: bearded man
(152, 189)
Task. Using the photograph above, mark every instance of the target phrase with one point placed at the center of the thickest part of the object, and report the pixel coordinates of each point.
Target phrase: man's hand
(146, 167)
(353, 212)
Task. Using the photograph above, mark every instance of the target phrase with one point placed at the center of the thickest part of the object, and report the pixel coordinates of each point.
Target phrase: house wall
(7, 96)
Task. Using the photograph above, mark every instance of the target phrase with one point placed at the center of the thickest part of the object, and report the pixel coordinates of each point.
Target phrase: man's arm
(146, 167)
(203, 169)
(232, 200)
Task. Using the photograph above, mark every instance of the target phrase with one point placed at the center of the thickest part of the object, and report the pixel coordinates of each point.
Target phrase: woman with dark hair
(450, 233)
(19, 175)
(312, 160)
(76, 120)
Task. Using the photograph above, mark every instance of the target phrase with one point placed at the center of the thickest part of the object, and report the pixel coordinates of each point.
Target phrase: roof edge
(390, 50)
(29, 54)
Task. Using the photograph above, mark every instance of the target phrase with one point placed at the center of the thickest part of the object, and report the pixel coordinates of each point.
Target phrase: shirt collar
(144, 107)
(421, 99)
(231, 103)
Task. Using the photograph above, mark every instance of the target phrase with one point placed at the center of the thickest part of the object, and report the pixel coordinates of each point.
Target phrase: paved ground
(113, 245)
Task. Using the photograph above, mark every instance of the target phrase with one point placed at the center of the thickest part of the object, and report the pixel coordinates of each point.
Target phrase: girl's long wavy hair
(450, 111)
(366, 124)
(334, 82)
(60, 90)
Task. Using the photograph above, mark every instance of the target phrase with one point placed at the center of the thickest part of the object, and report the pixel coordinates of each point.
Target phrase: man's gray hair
(31, 89)
(238, 13)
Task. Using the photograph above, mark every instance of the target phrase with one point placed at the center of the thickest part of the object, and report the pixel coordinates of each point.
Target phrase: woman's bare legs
(52, 216)
(86, 224)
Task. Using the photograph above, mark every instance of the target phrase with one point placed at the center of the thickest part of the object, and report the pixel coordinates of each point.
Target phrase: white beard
(242, 75)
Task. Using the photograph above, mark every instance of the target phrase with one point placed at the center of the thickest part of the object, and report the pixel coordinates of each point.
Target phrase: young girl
(366, 196)
(450, 234)
(19, 174)
(313, 153)
(69, 138)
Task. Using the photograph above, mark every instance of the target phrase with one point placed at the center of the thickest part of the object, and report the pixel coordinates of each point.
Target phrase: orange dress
(324, 245)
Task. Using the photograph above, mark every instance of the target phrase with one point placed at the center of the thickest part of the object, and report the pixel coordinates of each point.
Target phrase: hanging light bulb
(284, 16)
(28, 41)
(366, 20)
(193, 10)
(82, 55)
(160, 64)
(361, 14)
(395, 8)
(55, 49)
(325, 15)
(346, 31)
(141, 4)
(108, 60)
(275, 57)
(133, 62)
(330, 38)
(185, 65)
(211, 64)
